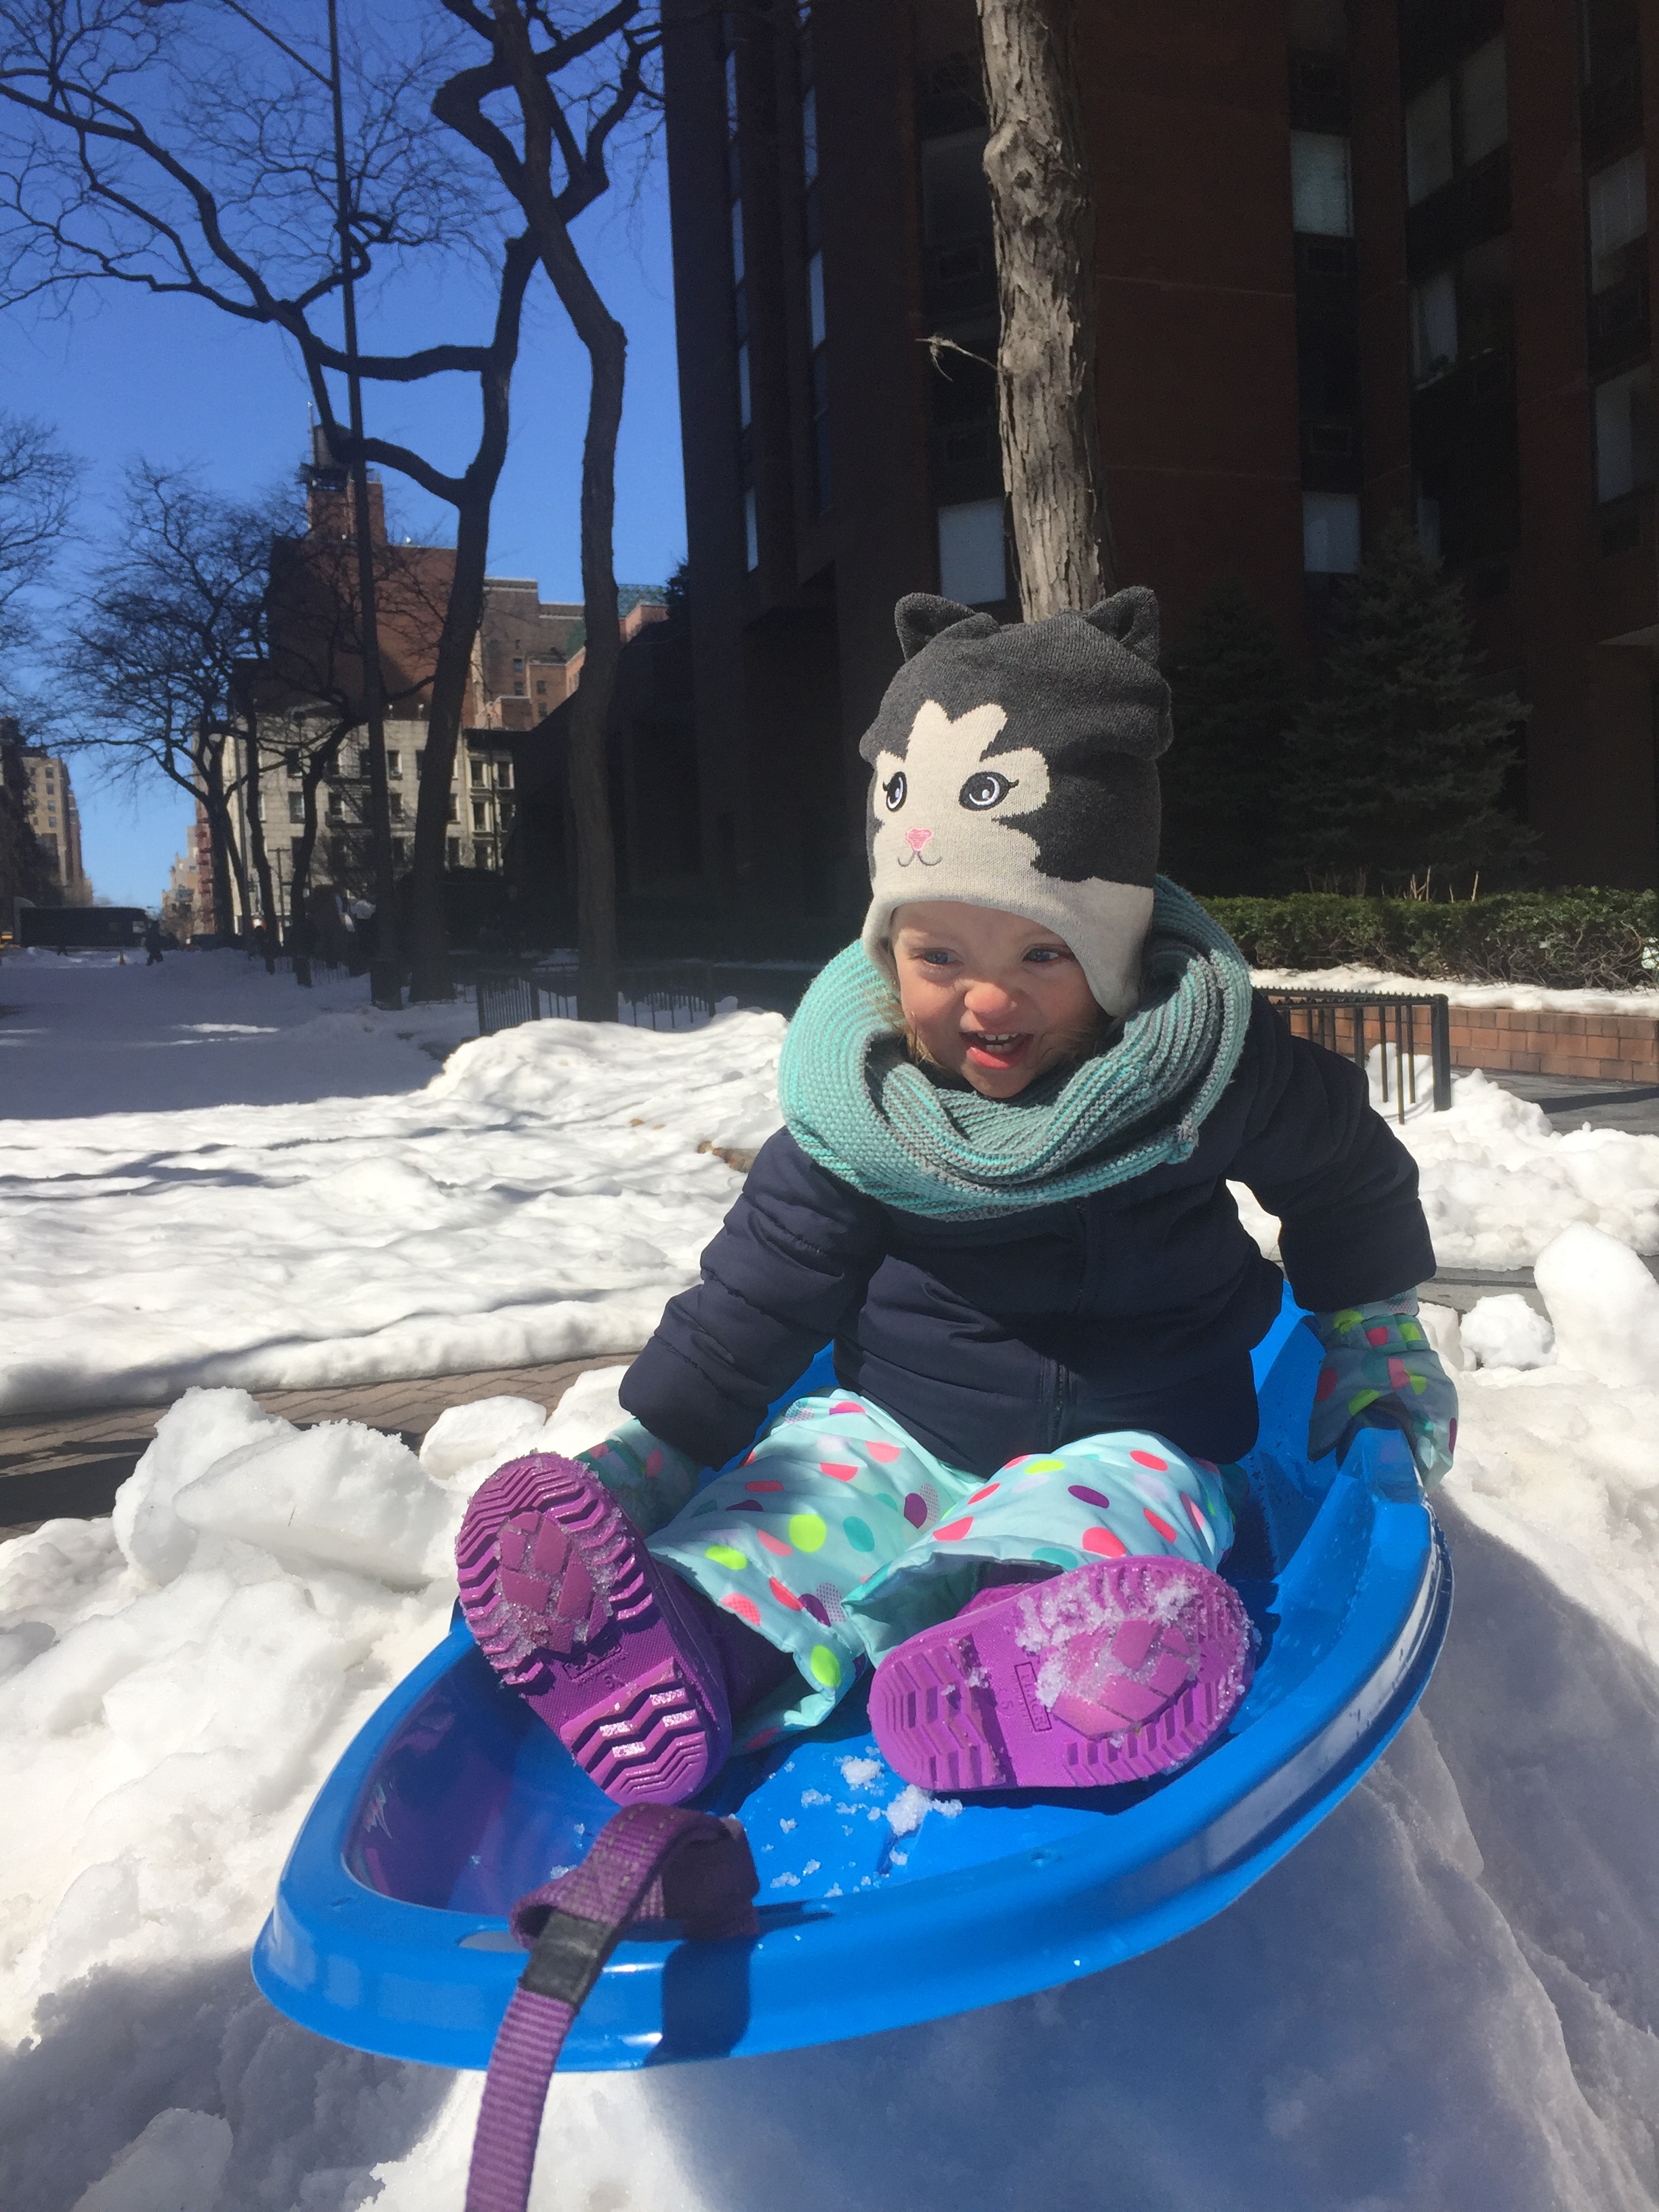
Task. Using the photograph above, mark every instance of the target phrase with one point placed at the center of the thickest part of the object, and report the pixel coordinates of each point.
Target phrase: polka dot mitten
(1380, 1370)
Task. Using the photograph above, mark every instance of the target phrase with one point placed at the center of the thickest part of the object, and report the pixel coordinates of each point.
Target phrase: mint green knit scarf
(854, 1101)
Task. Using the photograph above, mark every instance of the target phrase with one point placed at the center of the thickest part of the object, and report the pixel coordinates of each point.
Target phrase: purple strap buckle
(650, 1862)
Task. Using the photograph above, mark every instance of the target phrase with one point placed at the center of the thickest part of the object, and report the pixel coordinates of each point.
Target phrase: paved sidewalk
(58, 1465)
(1570, 1101)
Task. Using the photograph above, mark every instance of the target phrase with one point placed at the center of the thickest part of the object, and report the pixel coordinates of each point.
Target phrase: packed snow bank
(540, 1199)
(1531, 998)
(1449, 1996)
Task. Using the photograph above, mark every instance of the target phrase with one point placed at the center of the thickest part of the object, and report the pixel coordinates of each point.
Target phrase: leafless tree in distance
(122, 163)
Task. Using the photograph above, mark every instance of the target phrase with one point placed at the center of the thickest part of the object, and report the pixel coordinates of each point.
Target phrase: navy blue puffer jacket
(1133, 1308)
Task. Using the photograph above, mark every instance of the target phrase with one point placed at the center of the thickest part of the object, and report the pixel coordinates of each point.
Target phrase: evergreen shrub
(1604, 940)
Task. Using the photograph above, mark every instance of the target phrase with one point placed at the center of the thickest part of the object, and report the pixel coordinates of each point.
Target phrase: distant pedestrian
(153, 944)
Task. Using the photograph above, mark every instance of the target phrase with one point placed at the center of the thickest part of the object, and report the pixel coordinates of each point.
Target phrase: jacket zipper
(1058, 1395)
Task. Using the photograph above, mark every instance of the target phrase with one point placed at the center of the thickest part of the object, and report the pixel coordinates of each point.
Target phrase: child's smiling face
(989, 996)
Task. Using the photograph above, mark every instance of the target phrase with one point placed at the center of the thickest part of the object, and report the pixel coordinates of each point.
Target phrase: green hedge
(1594, 940)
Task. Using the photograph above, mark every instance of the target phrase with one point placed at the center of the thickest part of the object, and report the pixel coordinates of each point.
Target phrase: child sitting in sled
(1011, 1114)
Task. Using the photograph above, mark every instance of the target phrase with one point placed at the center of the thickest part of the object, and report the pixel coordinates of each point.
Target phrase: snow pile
(1498, 1182)
(469, 1442)
(1448, 1995)
(1506, 1331)
(180, 1680)
(540, 1199)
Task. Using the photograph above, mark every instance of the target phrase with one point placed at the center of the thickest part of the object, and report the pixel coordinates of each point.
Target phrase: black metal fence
(683, 994)
(1352, 1021)
(678, 994)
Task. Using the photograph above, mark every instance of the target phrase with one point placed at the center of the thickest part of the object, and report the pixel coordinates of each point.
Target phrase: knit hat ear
(1131, 617)
(920, 617)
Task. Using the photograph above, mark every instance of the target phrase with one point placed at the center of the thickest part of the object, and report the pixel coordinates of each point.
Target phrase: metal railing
(1342, 1022)
(676, 994)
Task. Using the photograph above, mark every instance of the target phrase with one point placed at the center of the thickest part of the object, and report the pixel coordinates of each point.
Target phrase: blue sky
(177, 381)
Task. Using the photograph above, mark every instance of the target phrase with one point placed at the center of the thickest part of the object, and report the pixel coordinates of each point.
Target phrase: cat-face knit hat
(1014, 767)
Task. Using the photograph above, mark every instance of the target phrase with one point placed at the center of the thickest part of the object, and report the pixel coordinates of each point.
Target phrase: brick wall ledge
(1613, 1048)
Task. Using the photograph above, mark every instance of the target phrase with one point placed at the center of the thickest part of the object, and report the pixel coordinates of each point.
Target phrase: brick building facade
(1393, 256)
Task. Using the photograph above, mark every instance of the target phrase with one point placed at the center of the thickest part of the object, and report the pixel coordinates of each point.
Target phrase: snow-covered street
(1449, 1997)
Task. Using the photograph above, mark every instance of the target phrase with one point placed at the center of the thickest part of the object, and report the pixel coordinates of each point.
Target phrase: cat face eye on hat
(986, 789)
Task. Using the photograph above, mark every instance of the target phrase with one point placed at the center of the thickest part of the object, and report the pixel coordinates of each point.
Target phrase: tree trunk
(429, 945)
(606, 344)
(590, 716)
(221, 841)
(430, 977)
(1037, 161)
(256, 838)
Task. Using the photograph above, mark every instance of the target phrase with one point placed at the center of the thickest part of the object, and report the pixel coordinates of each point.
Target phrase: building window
(291, 764)
(480, 815)
(1321, 190)
(1434, 326)
(453, 848)
(394, 763)
(394, 800)
(1457, 121)
(1428, 142)
(1330, 532)
(504, 775)
(454, 810)
(972, 559)
(336, 804)
(363, 758)
(477, 775)
(541, 691)
(1623, 433)
(1618, 209)
(1484, 102)
(420, 760)
(751, 531)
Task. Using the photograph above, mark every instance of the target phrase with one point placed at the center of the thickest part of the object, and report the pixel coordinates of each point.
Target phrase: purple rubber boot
(572, 1612)
(1116, 1671)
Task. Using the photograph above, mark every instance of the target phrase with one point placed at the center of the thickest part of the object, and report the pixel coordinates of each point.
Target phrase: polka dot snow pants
(839, 1537)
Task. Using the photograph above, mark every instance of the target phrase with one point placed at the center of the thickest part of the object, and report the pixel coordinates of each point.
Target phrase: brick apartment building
(526, 661)
(1393, 256)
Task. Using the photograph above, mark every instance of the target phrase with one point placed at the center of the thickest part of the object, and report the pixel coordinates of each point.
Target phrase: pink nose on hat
(916, 839)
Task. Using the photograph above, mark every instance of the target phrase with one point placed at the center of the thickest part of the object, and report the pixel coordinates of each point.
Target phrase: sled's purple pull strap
(650, 1862)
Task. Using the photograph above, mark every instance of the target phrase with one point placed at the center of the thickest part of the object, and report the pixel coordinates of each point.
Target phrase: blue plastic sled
(389, 1932)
